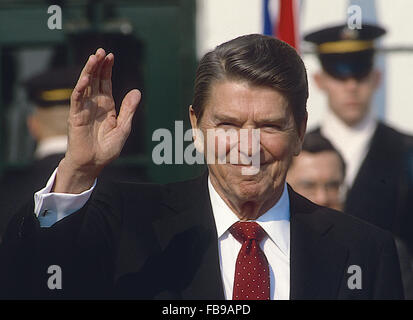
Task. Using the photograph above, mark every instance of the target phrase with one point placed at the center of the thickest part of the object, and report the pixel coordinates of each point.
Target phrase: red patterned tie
(252, 276)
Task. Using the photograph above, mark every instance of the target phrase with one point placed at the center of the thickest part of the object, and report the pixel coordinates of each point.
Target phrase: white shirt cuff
(51, 207)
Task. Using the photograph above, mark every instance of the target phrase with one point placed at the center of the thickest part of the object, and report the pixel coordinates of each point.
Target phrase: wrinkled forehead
(239, 99)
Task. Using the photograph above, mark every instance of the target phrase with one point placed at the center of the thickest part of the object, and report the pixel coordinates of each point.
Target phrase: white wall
(222, 20)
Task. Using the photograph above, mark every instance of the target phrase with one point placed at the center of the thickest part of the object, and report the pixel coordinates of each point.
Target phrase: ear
(192, 117)
(377, 76)
(33, 126)
(301, 134)
(196, 132)
(319, 78)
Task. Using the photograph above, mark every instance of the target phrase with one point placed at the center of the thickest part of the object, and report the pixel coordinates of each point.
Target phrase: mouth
(249, 169)
(250, 164)
(353, 103)
(241, 165)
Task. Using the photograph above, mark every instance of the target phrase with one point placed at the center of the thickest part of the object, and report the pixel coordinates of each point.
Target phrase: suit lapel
(187, 229)
(371, 166)
(317, 261)
(186, 235)
(379, 174)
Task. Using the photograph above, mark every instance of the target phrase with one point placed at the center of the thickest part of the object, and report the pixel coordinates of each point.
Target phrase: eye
(308, 185)
(272, 126)
(227, 124)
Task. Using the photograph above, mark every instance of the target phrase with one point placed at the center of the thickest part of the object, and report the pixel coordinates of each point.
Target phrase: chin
(354, 117)
(250, 190)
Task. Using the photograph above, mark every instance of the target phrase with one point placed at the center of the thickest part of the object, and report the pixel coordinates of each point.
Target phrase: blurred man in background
(50, 93)
(47, 124)
(318, 172)
(379, 190)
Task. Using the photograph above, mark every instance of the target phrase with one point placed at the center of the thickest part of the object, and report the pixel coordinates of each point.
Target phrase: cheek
(277, 147)
(335, 91)
(218, 144)
(335, 97)
(223, 142)
(366, 91)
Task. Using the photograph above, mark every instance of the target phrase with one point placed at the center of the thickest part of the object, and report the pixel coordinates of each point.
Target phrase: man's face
(350, 98)
(238, 105)
(318, 177)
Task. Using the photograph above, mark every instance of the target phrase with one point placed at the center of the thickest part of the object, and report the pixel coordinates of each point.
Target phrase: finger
(95, 85)
(88, 71)
(127, 110)
(76, 99)
(106, 74)
(82, 85)
(89, 67)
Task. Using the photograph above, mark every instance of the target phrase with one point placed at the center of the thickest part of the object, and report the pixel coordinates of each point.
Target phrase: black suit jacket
(18, 185)
(160, 242)
(382, 192)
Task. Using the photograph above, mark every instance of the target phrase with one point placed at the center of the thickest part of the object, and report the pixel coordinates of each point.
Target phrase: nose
(351, 83)
(249, 141)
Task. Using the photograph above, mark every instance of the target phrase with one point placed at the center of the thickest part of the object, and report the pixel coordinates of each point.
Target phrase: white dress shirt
(353, 143)
(275, 245)
(52, 207)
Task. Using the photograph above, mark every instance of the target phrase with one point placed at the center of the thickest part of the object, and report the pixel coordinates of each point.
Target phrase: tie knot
(243, 231)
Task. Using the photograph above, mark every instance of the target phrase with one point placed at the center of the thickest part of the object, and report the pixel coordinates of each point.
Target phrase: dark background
(154, 46)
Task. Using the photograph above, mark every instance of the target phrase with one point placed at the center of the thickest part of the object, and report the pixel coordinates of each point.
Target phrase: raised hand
(96, 134)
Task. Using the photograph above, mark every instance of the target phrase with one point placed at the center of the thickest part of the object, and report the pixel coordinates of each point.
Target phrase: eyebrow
(271, 121)
(279, 121)
(226, 117)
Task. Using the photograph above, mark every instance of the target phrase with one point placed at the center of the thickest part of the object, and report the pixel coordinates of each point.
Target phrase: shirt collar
(50, 146)
(352, 142)
(275, 222)
(334, 128)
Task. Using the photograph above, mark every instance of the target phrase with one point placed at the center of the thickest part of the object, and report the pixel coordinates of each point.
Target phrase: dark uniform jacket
(382, 192)
(160, 242)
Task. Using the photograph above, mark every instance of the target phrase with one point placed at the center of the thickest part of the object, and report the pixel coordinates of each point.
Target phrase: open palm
(96, 134)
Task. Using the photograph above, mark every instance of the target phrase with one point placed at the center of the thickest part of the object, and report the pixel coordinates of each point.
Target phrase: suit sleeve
(82, 244)
(53, 207)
